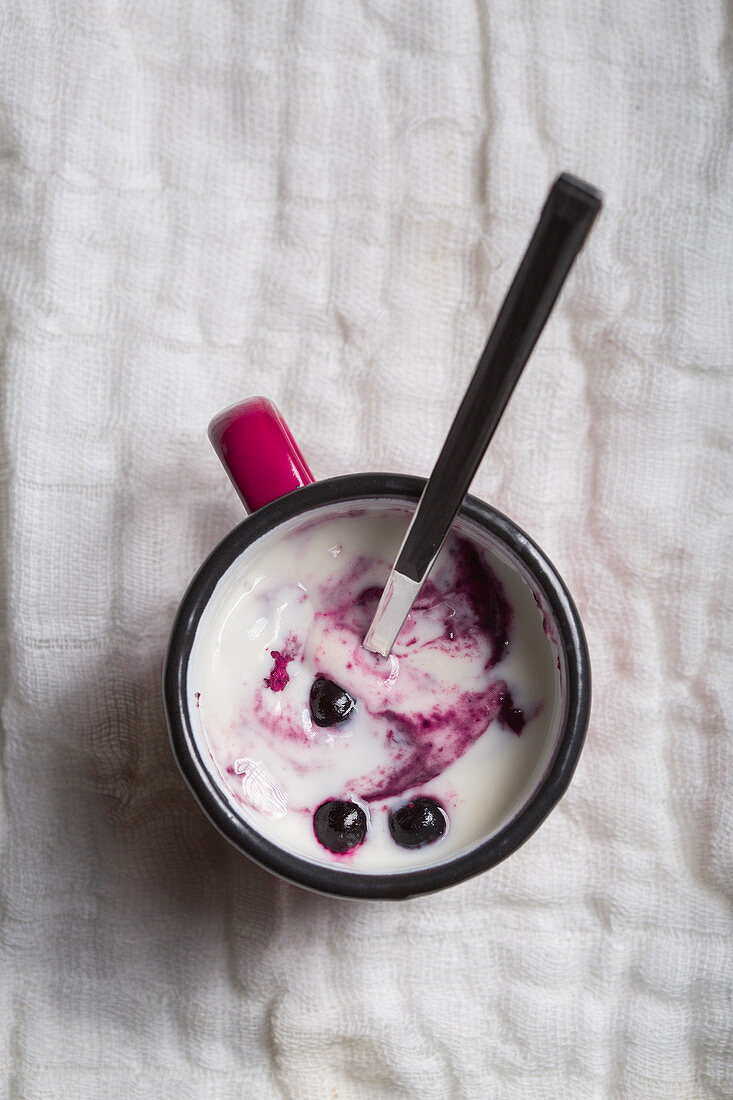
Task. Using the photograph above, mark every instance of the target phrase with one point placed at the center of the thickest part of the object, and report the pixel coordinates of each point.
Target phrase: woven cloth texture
(324, 203)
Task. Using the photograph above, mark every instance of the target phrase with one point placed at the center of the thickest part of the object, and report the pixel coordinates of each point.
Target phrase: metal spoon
(564, 224)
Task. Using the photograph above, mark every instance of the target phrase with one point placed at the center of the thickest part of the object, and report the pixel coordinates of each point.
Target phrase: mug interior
(548, 762)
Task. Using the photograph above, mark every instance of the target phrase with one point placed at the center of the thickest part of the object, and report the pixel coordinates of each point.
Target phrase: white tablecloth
(324, 203)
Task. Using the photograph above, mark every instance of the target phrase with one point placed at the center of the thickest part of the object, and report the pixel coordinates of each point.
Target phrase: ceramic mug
(275, 484)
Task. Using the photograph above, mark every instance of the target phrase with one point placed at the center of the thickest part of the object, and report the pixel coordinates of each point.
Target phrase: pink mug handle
(258, 452)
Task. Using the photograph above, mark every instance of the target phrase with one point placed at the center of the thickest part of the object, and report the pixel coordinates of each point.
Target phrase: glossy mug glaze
(483, 707)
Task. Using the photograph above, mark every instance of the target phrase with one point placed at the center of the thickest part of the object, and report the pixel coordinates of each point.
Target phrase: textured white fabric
(323, 203)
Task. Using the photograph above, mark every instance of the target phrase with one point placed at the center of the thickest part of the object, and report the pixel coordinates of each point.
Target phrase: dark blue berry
(330, 703)
(419, 822)
(511, 716)
(340, 826)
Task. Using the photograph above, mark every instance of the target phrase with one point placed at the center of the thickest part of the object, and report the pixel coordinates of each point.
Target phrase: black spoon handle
(564, 223)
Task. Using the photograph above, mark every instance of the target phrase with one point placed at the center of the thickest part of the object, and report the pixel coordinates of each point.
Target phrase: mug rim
(351, 488)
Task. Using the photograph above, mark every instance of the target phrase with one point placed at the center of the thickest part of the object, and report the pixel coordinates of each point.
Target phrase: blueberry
(419, 822)
(329, 702)
(340, 826)
(511, 716)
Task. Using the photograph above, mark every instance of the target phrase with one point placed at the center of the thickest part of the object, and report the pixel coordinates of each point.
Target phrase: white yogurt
(431, 720)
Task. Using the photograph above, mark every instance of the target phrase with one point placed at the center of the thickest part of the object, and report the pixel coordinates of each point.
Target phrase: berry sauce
(279, 677)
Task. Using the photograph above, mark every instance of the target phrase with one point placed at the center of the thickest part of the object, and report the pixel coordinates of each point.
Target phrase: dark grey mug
(275, 484)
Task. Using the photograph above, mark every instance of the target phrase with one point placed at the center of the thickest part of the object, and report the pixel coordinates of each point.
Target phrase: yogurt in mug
(465, 713)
